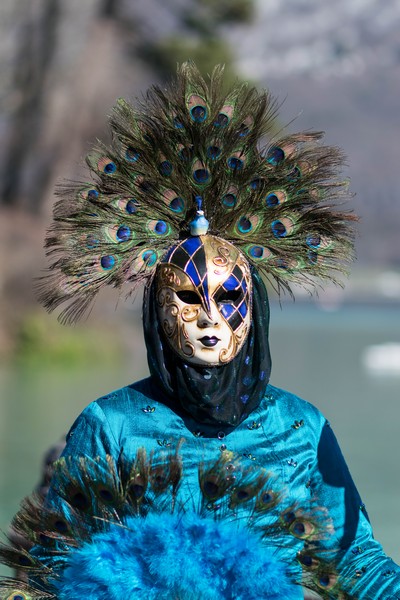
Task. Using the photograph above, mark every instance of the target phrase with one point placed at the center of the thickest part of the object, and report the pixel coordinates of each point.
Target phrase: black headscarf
(220, 395)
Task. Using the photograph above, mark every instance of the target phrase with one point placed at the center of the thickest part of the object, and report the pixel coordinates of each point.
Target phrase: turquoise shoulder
(290, 407)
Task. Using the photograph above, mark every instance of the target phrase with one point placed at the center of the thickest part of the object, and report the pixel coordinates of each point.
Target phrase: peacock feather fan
(189, 146)
(120, 531)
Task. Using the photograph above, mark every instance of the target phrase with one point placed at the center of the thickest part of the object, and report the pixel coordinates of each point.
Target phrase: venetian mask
(203, 291)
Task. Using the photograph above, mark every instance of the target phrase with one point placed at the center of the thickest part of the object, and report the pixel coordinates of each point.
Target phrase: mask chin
(203, 298)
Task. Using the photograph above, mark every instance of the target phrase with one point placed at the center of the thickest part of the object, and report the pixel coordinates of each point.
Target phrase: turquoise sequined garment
(285, 434)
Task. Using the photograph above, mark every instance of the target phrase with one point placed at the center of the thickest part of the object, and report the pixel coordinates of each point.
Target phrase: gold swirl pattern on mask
(220, 261)
(165, 300)
(228, 353)
(223, 261)
(168, 329)
(169, 276)
(187, 347)
(241, 334)
(190, 313)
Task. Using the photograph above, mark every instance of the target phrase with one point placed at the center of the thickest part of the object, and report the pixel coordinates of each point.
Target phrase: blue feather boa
(175, 557)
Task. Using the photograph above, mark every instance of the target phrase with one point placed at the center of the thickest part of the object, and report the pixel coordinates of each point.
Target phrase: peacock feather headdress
(194, 152)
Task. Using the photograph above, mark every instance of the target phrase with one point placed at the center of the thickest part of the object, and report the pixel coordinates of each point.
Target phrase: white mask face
(204, 300)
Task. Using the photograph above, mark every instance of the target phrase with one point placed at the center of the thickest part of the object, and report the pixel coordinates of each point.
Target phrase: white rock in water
(382, 359)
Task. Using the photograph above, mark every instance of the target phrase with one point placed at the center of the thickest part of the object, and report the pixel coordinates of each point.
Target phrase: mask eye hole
(228, 297)
(188, 297)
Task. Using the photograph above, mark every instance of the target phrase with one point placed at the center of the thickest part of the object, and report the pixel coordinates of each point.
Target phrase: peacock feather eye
(201, 175)
(278, 229)
(17, 595)
(106, 495)
(136, 490)
(229, 200)
(258, 252)
(149, 257)
(307, 560)
(312, 257)
(91, 241)
(288, 517)
(266, 500)
(275, 156)
(214, 152)
(92, 194)
(186, 154)
(197, 109)
(110, 168)
(326, 581)
(165, 168)
(118, 233)
(275, 198)
(235, 163)
(294, 175)
(224, 116)
(177, 204)
(243, 130)
(272, 200)
(256, 183)
(198, 113)
(302, 529)
(245, 127)
(178, 123)
(131, 154)
(78, 499)
(242, 495)
(107, 166)
(160, 227)
(143, 261)
(123, 233)
(210, 488)
(61, 526)
(107, 262)
(244, 225)
(281, 263)
(248, 224)
(313, 240)
(221, 120)
(132, 206)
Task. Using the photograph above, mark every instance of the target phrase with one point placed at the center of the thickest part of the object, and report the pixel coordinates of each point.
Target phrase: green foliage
(207, 15)
(42, 340)
(199, 38)
(172, 51)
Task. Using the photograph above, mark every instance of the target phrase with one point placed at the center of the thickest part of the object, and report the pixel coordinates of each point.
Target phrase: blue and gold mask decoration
(192, 161)
(204, 299)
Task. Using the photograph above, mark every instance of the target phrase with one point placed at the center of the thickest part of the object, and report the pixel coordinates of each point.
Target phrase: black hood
(222, 395)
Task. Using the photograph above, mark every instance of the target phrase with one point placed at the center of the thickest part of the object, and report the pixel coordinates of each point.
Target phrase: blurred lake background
(336, 67)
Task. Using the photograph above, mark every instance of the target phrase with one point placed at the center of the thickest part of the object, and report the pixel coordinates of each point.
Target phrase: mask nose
(209, 320)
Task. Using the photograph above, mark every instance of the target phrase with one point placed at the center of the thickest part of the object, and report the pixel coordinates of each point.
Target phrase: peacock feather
(277, 199)
(119, 530)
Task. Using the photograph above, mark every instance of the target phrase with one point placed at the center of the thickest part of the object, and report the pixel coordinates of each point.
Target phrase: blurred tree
(36, 43)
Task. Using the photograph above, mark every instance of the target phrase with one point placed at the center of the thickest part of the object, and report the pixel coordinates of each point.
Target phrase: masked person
(196, 198)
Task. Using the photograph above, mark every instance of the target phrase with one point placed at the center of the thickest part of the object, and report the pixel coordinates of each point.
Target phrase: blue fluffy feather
(175, 557)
